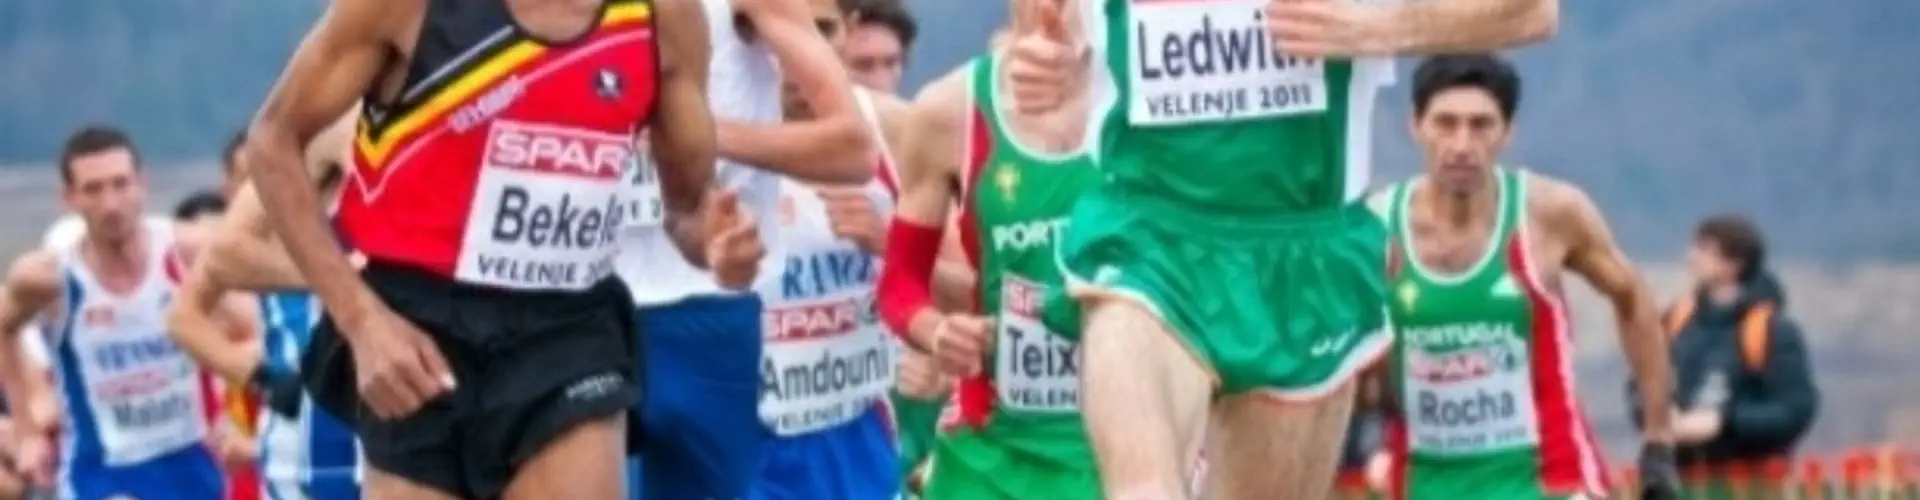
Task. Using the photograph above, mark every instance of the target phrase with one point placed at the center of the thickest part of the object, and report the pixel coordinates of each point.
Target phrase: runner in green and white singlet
(1236, 146)
(1015, 430)
(1482, 366)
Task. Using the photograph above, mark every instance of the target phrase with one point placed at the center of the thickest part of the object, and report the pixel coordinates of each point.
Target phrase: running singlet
(137, 407)
(314, 455)
(1484, 371)
(1016, 206)
(828, 359)
(1207, 115)
(500, 164)
(743, 86)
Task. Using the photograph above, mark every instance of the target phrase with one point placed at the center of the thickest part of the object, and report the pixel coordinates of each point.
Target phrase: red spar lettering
(1452, 368)
(1021, 299)
(811, 321)
(558, 152)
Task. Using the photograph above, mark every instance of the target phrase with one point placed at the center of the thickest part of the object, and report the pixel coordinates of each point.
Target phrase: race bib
(825, 363)
(1468, 390)
(546, 208)
(1201, 61)
(645, 208)
(1034, 369)
(144, 393)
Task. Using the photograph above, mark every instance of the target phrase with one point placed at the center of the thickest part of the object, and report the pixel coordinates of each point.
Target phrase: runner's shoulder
(948, 93)
(892, 112)
(35, 272)
(939, 112)
(1560, 206)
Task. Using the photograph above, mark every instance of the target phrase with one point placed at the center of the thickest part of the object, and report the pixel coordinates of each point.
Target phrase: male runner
(1230, 230)
(703, 434)
(879, 34)
(1018, 432)
(828, 362)
(303, 452)
(492, 350)
(1483, 363)
(231, 416)
(132, 423)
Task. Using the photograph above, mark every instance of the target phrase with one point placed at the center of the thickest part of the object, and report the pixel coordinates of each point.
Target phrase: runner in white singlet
(134, 418)
(702, 335)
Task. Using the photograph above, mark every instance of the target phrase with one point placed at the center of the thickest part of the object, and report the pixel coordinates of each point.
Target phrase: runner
(231, 415)
(1230, 227)
(1017, 432)
(132, 423)
(879, 34)
(303, 452)
(828, 362)
(492, 350)
(1483, 365)
(703, 434)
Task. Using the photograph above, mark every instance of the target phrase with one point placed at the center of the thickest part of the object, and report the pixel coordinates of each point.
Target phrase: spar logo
(552, 206)
(812, 321)
(550, 150)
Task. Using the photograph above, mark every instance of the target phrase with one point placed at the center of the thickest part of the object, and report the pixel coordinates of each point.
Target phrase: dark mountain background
(1799, 114)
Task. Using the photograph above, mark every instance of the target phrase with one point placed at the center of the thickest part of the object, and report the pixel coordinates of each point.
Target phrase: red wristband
(905, 286)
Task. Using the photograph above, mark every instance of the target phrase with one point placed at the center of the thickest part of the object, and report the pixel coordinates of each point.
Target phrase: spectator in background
(231, 173)
(1745, 388)
(879, 34)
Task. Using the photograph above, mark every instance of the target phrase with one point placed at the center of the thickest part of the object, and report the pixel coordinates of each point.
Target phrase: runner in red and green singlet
(1482, 362)
(1016, 431)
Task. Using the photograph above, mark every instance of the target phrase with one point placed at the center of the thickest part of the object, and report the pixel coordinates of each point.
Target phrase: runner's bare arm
(930, 159)
(245, 255)
(1593, 255)
(207, 322)
(328, 73)
(681, 136)
(32, 286)
(1447, 26)
(953, 277)
(834, 145)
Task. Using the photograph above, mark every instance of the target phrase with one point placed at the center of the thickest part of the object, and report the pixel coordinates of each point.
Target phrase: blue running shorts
(187, 474)
(700, 435)
(854, 461)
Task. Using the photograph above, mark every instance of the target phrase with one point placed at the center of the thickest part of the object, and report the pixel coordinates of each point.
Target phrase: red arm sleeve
(906, 281)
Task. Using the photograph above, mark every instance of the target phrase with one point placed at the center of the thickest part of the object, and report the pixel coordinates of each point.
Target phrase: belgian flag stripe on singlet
(375, 142)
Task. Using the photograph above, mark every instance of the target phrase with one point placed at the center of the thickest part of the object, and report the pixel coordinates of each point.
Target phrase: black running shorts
(528, 366)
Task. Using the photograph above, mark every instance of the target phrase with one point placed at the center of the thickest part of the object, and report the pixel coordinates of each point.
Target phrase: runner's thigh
(1260, 447)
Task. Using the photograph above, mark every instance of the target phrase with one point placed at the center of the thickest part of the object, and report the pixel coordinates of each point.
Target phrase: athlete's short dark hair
(92, 140)
(889, 14)
(1736, 239)
(231, 159)
(1483, 71)
(200, 203)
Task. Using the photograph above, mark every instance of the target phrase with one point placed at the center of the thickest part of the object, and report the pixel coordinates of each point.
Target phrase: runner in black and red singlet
(492, 352)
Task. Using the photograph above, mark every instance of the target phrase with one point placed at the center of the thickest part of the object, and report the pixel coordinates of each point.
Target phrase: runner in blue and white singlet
(702, 437)
(312, 456)
(134, 422)
(827, 366)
